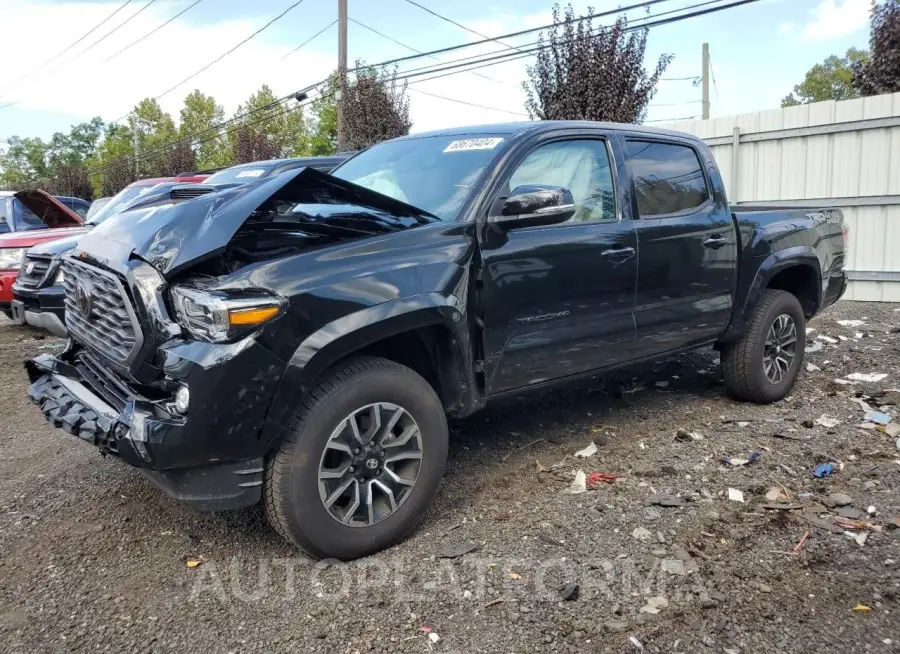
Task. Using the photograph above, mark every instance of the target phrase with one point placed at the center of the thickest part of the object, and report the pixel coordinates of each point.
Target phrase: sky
(758, 52)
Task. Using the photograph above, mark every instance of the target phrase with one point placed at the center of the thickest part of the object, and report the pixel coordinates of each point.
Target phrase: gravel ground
(92, 557)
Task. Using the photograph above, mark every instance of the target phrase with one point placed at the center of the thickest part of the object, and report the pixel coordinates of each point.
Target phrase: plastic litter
(737, 462)
(735, 495)
(579, 484)
(685, 436)
(827, 339)
(813, 347)
(851, 324)
(892, 429)
(877, 417)
(596, 478)
(635, 643)
(655, 604)
(823, 470)
(870, 377)
(827, 421)
(569, 592)
(589, 451)
(861, 608)
(811, 367)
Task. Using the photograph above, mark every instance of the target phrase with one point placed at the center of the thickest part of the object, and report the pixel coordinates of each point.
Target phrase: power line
(69, 47)
(713, 72)
(460, 25)
(409, 47)
(153, 31)
(222, 56)
(471, 104)
(453, 68)
(307, 41)
(105, 36)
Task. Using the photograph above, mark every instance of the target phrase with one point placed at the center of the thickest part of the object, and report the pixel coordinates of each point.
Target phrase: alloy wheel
(780, 349)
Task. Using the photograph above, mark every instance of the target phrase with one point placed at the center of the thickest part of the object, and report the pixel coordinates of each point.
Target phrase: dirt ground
(94, 558)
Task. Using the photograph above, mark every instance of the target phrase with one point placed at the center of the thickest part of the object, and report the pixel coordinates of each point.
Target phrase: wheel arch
(427, 333)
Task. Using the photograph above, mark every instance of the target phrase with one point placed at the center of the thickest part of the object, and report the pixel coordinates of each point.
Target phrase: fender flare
(798, 255)
(348, 334)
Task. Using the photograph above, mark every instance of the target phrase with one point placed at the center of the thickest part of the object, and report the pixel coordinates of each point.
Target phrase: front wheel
(362, 462)
(763, 364)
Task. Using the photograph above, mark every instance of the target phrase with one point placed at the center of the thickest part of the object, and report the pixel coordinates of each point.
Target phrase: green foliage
(375, 106)
(830, 80)
(271, 130)
(198, 116)
(322, 125)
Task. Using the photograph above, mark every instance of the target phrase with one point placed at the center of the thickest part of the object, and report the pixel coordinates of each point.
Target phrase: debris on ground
(685, 436)
(811, 367)
(868, 377)
(851, 324)
(827, 339)
(673, 567)
(579, 484)
(827, 421)
(587, 452)
(664, 499)
(861, 608)
(596, 478)
(799, 545)
(641, 533)
(569, 592)
(738, 462)
(735, 495)
(655, 604)
(837, 499)
(454, 550)
(194, 561)
(813, 346)
(877, 417)
(823, 470)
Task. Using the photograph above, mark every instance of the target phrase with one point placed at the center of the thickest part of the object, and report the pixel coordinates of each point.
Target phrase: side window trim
(664, 141)
(613, 169)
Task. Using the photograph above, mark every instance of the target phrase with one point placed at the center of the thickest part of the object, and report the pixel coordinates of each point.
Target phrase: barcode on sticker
(473, 144)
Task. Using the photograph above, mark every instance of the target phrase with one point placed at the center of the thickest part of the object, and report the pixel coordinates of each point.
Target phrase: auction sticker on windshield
(256, 172)
(473, 144)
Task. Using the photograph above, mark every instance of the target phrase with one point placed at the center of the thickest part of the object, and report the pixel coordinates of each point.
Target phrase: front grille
(99, 313)
(33, 271)
(105, 383)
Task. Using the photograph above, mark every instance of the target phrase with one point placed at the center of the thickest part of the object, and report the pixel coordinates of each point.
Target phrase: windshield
(117, 203)
(434, 173)
(240, 175)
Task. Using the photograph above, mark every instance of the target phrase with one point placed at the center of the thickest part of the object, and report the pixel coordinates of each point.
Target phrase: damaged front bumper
(195, 458)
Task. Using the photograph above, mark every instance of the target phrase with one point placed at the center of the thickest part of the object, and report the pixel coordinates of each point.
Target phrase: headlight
(221, 317)
(11, 258)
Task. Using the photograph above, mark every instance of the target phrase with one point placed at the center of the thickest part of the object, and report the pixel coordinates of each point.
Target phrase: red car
(31, 217)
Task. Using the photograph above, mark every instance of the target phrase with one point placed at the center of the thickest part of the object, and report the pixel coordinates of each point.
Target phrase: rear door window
(668, 178)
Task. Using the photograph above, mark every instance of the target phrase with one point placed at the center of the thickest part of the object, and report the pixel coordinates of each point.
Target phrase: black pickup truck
(300, 340)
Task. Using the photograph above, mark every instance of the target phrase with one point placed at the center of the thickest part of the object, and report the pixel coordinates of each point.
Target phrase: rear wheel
(763, 365)
(362, 462)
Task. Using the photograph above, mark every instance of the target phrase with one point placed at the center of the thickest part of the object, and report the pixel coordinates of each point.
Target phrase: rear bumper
(167, 448)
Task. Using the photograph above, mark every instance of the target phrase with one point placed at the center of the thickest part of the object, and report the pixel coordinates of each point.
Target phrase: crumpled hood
(53, 212)
(60, 245)
(174, 235)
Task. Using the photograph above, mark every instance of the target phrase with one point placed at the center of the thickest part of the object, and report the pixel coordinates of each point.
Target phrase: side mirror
(533, 205)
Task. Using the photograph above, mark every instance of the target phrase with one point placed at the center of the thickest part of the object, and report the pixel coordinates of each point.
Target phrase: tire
(294, 504)
(743, 361)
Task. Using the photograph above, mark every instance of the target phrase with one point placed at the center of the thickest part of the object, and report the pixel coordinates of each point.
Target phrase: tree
(584, 72)
(152, 129)
(271, 128)
(70, 179)
(375, 108)
(830, 80)
(881, 74)
(24, 163)
(322, 123)
(198, 117)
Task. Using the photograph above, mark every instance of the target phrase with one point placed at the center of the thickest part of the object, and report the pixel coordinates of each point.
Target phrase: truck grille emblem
(83, 301)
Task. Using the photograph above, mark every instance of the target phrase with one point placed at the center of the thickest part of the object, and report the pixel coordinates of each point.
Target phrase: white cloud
(835, 18)
(786, 28)
(89, 87)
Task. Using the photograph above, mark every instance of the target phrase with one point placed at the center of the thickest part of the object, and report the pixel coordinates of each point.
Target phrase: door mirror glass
(530, 205)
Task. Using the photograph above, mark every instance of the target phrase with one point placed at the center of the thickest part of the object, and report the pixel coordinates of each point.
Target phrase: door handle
(620, 253)
(715, 241)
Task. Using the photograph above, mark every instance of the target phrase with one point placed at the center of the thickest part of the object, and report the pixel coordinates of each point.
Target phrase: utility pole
(705, 81)
(342, 68)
